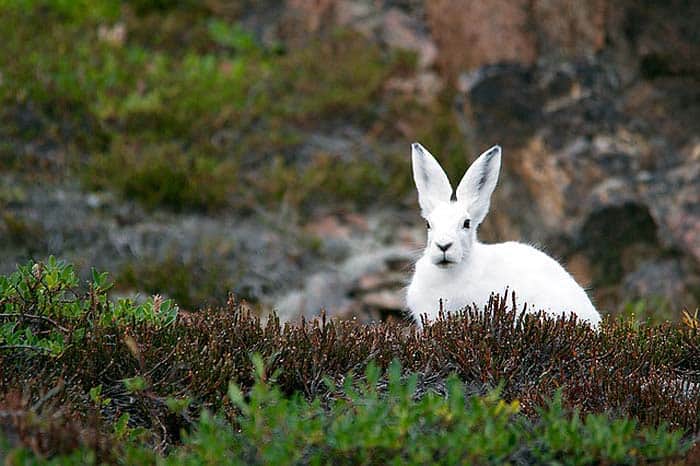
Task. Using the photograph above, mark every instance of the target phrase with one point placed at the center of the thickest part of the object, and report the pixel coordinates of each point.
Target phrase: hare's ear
(478, 184)
(431, 180)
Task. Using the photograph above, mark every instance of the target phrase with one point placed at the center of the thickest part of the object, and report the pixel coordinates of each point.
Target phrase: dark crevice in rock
(611, 233)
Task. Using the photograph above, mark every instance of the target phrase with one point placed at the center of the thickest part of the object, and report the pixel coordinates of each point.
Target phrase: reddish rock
(569, 27)
(385, 300)
(311, 15)
(377, 281)
(471, 33)
(403, 32)
(328, 227)
(612, 175)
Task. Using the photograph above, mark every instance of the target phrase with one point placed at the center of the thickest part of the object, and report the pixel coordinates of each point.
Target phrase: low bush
(135, 383)
(42, 308)
(363, 424)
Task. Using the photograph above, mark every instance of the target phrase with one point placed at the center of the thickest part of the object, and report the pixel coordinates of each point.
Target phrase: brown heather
(626, 369)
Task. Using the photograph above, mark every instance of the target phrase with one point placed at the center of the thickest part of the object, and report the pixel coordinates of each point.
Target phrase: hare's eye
(427, 225)
(466, 224)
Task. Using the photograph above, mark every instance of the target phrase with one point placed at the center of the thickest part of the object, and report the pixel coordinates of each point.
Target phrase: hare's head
(453, 216)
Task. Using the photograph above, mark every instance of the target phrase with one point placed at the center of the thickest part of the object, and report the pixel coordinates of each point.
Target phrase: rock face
(590, 165)
(663, 278)
(369, 282)
(398, 25)
(597, 105)
(250, 257)
(470, 33)
(347, 264)
(570, 27)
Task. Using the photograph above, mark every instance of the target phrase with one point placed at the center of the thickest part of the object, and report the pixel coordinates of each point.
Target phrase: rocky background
(596, 104)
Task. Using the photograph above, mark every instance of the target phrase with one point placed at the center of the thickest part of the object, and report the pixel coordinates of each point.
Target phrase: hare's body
(537, 280)
(456, 270)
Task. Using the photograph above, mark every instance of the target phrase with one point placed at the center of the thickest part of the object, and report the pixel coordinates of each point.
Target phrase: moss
(163, 174)
(193, 283)
(328, 179)
(68, 11)
(189, 111)
(652, 309)
(308, 88)
(22, 232)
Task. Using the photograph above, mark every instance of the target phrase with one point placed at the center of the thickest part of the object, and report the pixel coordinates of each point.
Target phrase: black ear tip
(492, 152)
(416, 146)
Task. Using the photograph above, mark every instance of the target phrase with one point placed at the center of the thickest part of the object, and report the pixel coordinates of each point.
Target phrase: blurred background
(197, 148)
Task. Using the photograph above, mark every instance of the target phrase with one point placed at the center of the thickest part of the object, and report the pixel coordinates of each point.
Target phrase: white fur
(474, 270)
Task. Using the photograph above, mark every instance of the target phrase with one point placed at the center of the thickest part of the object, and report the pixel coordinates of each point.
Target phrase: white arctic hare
(456, 270)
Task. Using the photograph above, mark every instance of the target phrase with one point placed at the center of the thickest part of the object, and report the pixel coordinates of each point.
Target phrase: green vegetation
(94, 381)
(49, 292)
(366, 426)
(176, 106)
(190, 283)
(654, 309)
(22, 232)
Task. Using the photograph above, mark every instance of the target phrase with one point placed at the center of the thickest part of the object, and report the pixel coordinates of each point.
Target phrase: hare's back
(538, 279)
(525, 265)
(521, 257)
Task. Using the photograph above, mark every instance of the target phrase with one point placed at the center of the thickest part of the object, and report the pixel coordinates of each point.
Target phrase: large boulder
(471, 33)
(593, 169)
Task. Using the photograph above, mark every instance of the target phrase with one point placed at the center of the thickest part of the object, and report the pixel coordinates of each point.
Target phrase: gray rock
(582, 176)
(252, 255)
(338, 290)
(663, 278)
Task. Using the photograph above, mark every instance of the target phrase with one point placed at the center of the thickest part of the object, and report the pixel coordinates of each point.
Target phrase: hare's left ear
(478, 184)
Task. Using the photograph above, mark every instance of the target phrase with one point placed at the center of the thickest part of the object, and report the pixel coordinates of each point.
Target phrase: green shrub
(164, 175)
(95, 380)
(382, 421)
(66, 10)
(43, 309)
(361, 182)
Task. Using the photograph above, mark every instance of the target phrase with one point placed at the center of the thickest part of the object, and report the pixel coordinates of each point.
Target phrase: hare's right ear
(431, 180)
(478, 184)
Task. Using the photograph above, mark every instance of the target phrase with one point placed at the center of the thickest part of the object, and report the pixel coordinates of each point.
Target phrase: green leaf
(121, 427)
(258, 366)
(177, 405)
(135, 384)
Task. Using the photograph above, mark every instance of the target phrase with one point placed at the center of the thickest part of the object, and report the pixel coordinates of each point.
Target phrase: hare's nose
(444, 247)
